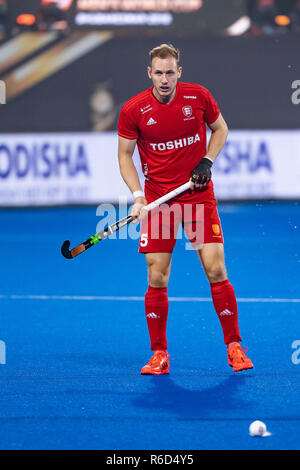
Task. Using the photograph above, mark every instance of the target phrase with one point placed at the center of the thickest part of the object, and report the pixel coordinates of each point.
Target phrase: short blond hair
(163, 51)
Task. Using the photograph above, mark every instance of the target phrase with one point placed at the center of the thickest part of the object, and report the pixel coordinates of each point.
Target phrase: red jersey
(171, 138)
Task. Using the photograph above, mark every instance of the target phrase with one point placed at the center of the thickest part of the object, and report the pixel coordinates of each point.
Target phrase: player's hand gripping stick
(77, 250)
(201, 175)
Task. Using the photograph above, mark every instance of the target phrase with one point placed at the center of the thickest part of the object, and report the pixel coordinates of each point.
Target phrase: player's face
(164, 74)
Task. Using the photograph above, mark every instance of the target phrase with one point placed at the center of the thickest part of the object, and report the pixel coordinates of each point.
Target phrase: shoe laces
(158, 356)
(238, 350)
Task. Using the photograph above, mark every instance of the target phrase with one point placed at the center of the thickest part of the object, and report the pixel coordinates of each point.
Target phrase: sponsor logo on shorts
(216, 229)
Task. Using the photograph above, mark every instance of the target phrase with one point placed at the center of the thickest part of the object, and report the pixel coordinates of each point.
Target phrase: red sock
(156, 308)
(226, 307)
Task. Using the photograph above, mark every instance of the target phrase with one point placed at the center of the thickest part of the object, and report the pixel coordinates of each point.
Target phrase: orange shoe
(237, 358)
(158, 364)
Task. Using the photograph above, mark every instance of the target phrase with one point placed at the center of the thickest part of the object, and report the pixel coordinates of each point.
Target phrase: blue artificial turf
(71, 378)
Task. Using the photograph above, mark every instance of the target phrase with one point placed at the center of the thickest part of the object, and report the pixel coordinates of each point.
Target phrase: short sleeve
(212, 110)
(127, 126)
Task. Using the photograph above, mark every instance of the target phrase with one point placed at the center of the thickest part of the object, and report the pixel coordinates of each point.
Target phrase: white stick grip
(167, 196)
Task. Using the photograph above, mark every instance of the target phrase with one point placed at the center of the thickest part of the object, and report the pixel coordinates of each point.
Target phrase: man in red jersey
(168, 124)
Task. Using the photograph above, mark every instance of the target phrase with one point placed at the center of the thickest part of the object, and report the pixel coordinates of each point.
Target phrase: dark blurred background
(64, 74)
(67, 67)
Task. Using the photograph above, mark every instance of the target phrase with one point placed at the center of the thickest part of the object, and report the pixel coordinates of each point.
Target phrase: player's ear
(179, 72)
(149, 71)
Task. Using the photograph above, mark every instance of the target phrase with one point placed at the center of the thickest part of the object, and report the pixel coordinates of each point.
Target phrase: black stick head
(65, 249)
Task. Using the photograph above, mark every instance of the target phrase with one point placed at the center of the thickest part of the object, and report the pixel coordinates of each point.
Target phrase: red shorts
(197, 222)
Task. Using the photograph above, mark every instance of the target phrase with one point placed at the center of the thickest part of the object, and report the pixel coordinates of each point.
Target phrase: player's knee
(216, 273)
(158, 278)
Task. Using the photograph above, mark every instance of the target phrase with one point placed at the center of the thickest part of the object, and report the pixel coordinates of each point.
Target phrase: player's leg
(159, 267)
(205, 233)
(157, 242)
(212, 259)
(203, 228)
(156, 299)
(211, 256)
(156, 310)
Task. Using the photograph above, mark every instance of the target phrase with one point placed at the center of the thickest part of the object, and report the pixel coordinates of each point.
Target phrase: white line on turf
(138, 299)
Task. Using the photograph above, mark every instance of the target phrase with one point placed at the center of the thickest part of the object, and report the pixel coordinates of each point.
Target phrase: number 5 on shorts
(144, 239)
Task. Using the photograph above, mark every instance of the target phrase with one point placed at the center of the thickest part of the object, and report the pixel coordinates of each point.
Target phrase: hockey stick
(77, 250)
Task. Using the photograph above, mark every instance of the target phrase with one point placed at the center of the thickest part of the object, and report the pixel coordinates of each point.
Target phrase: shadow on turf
(194, 404)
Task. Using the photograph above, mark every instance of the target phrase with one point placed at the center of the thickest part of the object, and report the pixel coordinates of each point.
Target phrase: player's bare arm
(201, 175)
(129, 173)
(218, 137)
